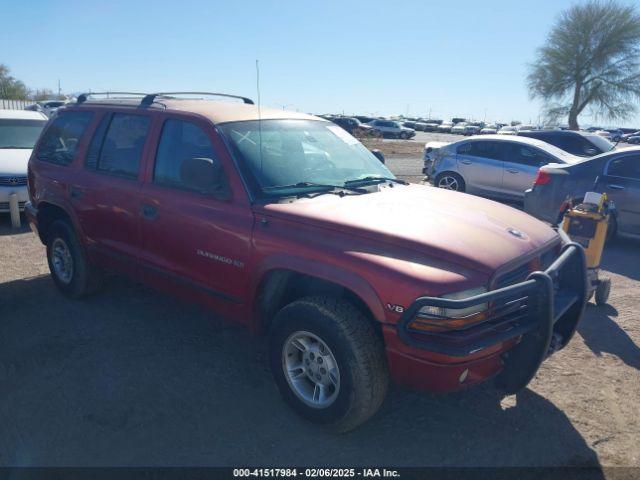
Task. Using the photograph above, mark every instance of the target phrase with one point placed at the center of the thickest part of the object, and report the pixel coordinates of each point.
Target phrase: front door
(521, 167)
(480, 163)
(191, 236)
(621, 183)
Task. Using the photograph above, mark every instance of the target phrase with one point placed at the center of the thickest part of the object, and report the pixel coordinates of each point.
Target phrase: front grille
(520, 273)
(13, 181)
(5, 205)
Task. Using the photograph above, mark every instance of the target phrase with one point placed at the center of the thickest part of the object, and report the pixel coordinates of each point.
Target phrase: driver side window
(180, 143)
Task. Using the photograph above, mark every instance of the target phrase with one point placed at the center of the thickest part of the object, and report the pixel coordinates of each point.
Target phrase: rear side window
(122, 145)
(61, 138)
(180, 141)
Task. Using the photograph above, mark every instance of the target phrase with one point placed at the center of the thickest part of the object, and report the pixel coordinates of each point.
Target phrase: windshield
(19, 133)
(297, 152)
(601, 142)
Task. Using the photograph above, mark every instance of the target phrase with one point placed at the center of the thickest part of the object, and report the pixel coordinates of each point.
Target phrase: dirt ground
(134, 377)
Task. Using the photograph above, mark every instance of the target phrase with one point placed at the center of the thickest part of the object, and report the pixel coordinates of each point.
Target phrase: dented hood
(470, 231)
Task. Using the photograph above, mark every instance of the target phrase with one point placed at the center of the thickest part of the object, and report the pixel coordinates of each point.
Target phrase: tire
(356, 380)
(403, 135)
(450, 181)
(602, 291)
(70, 269)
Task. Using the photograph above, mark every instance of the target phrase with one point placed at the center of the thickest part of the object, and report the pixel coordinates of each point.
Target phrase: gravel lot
(134, 377)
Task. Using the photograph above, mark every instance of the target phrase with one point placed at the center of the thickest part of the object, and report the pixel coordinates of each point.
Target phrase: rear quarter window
(61, 138)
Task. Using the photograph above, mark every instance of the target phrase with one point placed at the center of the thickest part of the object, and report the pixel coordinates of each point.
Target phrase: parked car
(471, 130)
(391, 129)
(582, 144)
(445, 127)
(616, 173)
(287, 224)
(459, 128)
(493, 165)
(353, 126)
(635, 139)
(409, 124)
(432, 125)
(419, 126)
(490, 129)
(19, 130)
(508, 130)
(364, 119)
(527, 127)
(627, 136)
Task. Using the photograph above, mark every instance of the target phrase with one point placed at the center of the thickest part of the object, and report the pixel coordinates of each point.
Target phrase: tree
(10, 88)
(591, 59)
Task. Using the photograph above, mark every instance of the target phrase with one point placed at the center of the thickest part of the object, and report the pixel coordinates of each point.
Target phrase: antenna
(259, 113)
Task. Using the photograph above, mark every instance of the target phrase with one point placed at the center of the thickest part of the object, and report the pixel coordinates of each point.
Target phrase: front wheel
(450, 181)
(404, 135)
(328, 362)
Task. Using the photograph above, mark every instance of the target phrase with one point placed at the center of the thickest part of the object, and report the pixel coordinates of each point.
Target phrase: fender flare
(328, 272)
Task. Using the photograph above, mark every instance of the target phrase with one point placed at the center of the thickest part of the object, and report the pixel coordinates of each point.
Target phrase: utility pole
(59, 89)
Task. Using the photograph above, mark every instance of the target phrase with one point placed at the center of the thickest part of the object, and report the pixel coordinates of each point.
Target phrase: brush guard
(540, 313)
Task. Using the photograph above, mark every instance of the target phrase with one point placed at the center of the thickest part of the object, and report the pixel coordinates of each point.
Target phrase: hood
(469, 231)
(13, 161)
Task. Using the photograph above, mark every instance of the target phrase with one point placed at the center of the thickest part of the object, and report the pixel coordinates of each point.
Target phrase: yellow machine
(587, 224)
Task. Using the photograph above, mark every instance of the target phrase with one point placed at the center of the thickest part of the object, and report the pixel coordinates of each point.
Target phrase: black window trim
(124, 176)
(620, 157)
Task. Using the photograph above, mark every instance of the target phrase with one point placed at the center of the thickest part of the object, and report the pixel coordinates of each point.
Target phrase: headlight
(457, 312)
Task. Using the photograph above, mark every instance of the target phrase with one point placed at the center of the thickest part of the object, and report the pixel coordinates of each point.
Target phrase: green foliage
(10, 88)
(591, 59)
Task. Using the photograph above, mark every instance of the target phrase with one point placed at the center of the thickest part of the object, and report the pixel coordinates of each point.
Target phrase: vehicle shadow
(602, 334)
(618, 258)
(5, 225)
(132, 377)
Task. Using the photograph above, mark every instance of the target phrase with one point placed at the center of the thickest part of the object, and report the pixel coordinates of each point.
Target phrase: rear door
(191, 237)
(106, 192)
(521, 167)
(621, 182)
(480, 164)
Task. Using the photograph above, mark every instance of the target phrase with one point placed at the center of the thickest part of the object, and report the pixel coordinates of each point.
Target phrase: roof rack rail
(83, 97)
(150, 98)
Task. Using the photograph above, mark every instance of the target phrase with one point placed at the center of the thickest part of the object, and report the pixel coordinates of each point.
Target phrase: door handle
(512, 170)
(75, 192)
(149, 211)
(466, 162)
(615, 187)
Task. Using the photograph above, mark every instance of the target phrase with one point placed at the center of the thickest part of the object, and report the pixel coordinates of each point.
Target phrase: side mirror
(206, 176)
(591, 151)
(378, 154)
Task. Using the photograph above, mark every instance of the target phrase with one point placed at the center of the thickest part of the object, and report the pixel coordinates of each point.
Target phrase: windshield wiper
(312, 185)
(373, 178)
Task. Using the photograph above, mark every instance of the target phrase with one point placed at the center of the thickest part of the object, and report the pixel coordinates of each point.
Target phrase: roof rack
(150, 98)
(83, 97)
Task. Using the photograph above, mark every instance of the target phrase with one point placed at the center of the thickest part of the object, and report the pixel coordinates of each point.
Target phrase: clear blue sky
(387, 57)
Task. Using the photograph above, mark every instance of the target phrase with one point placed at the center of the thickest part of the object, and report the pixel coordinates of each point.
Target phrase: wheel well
(281, 287)
(47, 214)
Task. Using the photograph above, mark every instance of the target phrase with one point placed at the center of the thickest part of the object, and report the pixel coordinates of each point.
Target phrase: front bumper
(5, 193)
(526, 322)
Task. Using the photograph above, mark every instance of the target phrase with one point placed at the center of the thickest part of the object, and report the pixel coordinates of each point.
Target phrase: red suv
(286, 223)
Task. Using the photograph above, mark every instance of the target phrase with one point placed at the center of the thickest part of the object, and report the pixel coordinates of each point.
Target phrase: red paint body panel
(387, 247)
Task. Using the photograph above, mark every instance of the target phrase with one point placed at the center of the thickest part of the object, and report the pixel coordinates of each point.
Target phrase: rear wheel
(328, 362)
(70, 269)
(450, 181)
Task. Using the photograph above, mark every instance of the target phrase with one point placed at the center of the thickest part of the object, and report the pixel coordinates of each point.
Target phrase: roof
(22, 115)
(215, 110)
(552, 149)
